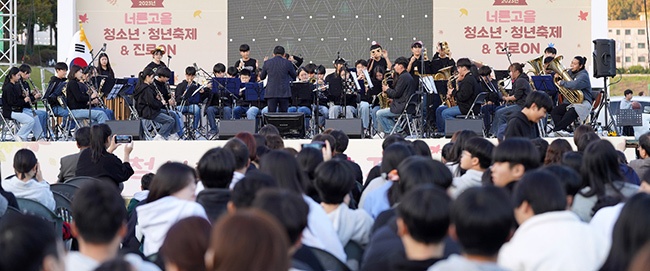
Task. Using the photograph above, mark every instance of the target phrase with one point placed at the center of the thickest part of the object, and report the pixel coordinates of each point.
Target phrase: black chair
(34, 208)
(478, 101)
(63, 206)
(65, 189)
(10, 213)
(411, 116)
(79, 181)
(355, 252)
(328, 261)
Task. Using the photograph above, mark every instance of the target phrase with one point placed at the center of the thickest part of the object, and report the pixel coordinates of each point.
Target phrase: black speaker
(289, 124)
(126, 127)
(351, 127)
(229, 128)
(604, 58)
(453, 125)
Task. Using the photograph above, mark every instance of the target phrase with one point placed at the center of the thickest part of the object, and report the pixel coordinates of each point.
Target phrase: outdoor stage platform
(147, 156)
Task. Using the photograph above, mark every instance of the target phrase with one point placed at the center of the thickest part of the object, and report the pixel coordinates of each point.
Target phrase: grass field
(635, 82)
(36, 77)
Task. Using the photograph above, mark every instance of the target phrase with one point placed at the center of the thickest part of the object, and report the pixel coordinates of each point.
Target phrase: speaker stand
(609, 124)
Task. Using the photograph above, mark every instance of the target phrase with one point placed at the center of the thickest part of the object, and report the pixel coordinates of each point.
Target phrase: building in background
(631, 42)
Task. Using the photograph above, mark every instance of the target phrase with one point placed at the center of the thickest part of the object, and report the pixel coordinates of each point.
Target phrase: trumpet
(424, 54)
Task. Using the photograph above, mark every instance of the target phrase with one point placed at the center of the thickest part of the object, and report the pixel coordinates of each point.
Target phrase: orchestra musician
(218, 101)
(442, 58)
(493, 98)
(465, 92)
(378, 57)
(151, 105)
(14, 104)
(417, 61)
(566, 113)
(515, 101)
(246, 62)
(371, 88)
(322, 92)
(25, 74)
(280, 72)
(54, 88)
(104, 68)
(245, 107)
(343, 94)
(161, 83)
(96, 104)
(187, 101)
(79, 99)
(302, 105)
(404, 86)
(156, 61)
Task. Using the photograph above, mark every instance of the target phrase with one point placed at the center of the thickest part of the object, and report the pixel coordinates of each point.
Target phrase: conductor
(280, 72)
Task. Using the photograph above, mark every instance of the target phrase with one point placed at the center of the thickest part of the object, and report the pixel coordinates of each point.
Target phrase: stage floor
(147, 156)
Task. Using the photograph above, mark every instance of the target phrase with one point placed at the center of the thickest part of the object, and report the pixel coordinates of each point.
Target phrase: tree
(32, 13)
(625, 9)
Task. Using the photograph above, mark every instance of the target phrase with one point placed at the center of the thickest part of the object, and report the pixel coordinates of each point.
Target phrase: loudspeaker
(229, 128)
(126, 127)
(351, 127)
(604, 58)
(453, 125)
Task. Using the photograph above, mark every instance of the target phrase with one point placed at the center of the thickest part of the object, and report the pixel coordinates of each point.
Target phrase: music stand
(500, 74)
(629, 117)
(115, 87)
(441, 86)
(301, 94)
(254, 92)
(232, 85)
(544, 82)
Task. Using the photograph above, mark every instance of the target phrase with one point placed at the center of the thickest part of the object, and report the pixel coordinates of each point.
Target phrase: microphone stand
(508, 54)
(169, 59)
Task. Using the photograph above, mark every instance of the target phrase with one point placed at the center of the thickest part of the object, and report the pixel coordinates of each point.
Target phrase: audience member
(29, 243)
(628, 172)
(569, 178)
(584, 140)
(511, 159)
(69, 162)
(482, 220)
(215, 170)
(376, 170)
(542, 146)
(556, 150)
(581, 130)
(251, 233)
(251, 144)
(445, 152)
(475, 159)
(457, 150)
(99, 225)
(28, 182)
(523, 123)
(98, 160)
(185, 245)
(309, 159)
(544, 223)
(268, 129)
(242, 159)
(642, 164)
(141, 195)
(274, 142)
(421, 148)
(171, 198)
(572, 159)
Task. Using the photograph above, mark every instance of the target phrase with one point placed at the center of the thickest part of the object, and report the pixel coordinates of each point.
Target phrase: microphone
(195, 66)
(169, 56)
(504, 49)
(104, 47)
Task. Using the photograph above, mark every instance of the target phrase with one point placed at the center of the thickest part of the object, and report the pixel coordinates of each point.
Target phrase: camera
(123, 139)
(316, 145)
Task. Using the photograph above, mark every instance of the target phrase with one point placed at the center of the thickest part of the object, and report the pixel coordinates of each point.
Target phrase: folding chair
(63, 206)
(8, 126)
(328, 261)
(149, 128)
(411, 116)
(478, 102)
(65, 189)
(79, 181)
(34, 208)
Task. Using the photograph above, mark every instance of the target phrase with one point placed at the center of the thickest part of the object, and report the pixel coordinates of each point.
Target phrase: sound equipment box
(604, 58)
(126, 127)
(453, 125)
(229, 128)
(351, 127)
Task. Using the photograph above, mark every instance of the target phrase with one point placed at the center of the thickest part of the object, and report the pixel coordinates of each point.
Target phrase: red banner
(150, 3)
(510, 3)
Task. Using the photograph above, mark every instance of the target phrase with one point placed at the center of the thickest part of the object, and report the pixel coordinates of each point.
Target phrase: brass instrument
(100, 94)
(61, 98)
(451, 84)
(571, 95)
(313, 80)
(443, 74)
(384, 101)
(425, 57)
(501, 84)
(538, 66)
(388, 78)
(445, 47)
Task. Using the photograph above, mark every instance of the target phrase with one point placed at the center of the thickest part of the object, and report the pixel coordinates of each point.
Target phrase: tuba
(537, 64)
(443, 74)
(572, 95)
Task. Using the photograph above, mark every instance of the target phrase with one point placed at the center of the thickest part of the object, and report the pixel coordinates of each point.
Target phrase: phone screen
(123, 139)
(316, 145)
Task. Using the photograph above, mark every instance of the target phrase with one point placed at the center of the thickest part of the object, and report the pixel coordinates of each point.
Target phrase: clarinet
(26, 94)
(162, 98)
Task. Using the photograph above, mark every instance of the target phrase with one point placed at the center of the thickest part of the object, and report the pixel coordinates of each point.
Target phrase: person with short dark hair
(627, 103)
(246, 62)
(465, 92)
(28, 243)
(245, 191)
(242, 161)
(404, 86)
(141, 195)
(188, 98)
(185, 244)
(642, 165)
(280, 72)
(566, 113)
(25, 76)
(540, 208)
(334, 182)
(482, 220)
(524, 123)
(215, 170)
(17, 106)
(156, 61)
(54, 92)
(475, 159)
(218, 102)
(151, 105)
(69, 162)
(161, 84)
(422, 224)
(511, 159)
(99, 223)
(27, 181)
(516, 100)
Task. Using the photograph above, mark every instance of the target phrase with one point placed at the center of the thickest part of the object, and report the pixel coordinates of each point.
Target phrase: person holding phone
(98, 160)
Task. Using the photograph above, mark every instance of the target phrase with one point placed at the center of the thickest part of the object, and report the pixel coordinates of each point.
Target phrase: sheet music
(365, 73)
(356, 80)
(429, 84)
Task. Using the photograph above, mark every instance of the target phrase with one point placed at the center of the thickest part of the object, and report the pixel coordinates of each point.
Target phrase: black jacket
(520, 126)
(147, 105)
(153, 66)
(183, 88)
(404, 87)
(520, 89)
(280, 72)
(77, 95)
(12, 99)
(214, 201)
(109, 167)
(438, 63)
(467, 91)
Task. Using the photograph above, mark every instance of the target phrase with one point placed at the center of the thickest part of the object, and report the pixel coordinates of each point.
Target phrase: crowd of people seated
(253, 204)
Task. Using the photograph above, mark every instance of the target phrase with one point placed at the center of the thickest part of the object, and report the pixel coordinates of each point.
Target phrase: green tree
(31, 13)
(625, 9)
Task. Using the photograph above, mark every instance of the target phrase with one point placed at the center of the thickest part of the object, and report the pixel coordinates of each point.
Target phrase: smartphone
(123, 138)
(315, 144)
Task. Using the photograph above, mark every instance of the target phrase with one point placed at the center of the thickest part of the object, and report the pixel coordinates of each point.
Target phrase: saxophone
(384, 101)
(451, 84)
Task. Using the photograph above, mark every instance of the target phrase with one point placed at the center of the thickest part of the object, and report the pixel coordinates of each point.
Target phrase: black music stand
(628, 118)
(254, 92)
(544, 82)
(301, 94)
(232, 85)
(113, 87)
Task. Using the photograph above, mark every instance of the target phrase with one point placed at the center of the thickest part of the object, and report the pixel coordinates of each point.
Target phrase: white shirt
(554, 241)
(32, 190)
(236, 177)
(75, 261)
(604, 220)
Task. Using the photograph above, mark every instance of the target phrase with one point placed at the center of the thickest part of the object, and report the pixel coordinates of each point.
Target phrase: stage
(147, 156)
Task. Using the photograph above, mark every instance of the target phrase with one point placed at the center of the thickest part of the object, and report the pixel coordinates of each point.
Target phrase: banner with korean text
(191, 31)
(484, 30)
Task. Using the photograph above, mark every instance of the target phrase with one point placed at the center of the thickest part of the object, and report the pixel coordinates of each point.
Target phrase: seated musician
(78, 97)
(243, 106)
(346, 98)
(187, 100)
(150, 105)
(465, 92)
(218, 101)
(15, 101)
(515, 101)
(302, 105)
(323, 91)
(161, 83)
(371, 88)
(335, 83)
(566, 113)
(25, 75)
(493, 98)
(54, 88)
(403, 87)
(99, 105)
